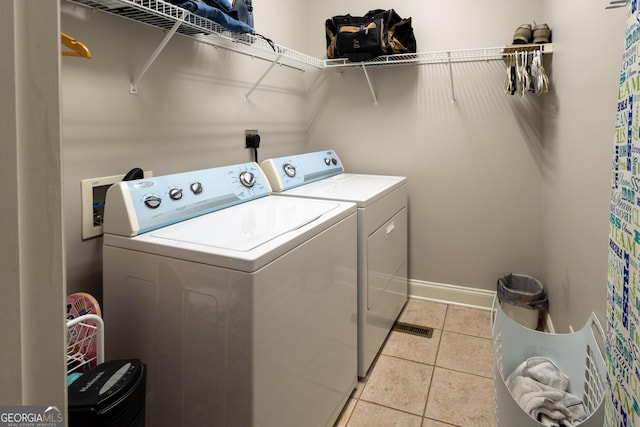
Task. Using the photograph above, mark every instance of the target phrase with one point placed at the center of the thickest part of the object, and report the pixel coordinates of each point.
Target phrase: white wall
(579, 121)
(491, 179)
(474, 169)
(32, 282)
(468, 222)
(188, 114)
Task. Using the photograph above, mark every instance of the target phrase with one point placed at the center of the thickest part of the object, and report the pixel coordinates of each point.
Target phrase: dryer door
(387, 264)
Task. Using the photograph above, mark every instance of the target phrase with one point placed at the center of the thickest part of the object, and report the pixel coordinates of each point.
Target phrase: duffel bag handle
(372, 13)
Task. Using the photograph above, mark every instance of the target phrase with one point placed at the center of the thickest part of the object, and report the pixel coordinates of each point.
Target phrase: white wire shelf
(441, 57)
(160, 14)
(173, 19)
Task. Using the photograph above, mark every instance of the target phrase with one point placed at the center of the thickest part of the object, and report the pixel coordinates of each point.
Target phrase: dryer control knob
(175, 193)
(196, 188)
(327, 161)
(334, 161)
(152, 201)
(289, 169)
(247, 179)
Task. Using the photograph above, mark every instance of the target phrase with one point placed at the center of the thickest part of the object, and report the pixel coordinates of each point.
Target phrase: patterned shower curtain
(623, 308)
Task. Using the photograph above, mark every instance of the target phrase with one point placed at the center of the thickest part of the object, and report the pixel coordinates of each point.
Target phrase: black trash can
(111, 394)
(522, 297)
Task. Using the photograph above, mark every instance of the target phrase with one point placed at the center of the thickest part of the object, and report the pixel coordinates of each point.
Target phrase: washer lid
(245, 237)
(358, 188)
(248, 226)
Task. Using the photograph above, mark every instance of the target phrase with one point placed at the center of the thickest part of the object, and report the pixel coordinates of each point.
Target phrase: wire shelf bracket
(133, 86)
(373, 92)
(173, 19)
(256, 84)
(453, 92)
(448, 57)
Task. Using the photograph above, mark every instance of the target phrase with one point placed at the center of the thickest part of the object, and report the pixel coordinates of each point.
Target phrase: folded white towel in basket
(540, 388)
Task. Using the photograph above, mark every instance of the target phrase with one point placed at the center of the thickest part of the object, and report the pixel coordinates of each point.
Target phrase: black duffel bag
(360, 38)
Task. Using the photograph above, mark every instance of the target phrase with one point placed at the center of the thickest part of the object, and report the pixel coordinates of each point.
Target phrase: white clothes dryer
(382, 235)
(241, 304)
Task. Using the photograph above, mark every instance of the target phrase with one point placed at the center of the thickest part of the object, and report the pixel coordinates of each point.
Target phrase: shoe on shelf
(541, 33)
(523, 34)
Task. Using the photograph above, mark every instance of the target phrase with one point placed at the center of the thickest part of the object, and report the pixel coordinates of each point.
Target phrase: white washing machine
(242, 304)
(382, 235)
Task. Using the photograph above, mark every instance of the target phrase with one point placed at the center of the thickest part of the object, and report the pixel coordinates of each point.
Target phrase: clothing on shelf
(217, 15)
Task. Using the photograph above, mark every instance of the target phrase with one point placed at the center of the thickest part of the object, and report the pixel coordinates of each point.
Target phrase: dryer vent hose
(135, 173)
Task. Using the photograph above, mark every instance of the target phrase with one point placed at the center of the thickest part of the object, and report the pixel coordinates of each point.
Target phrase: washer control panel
(285, 173)
(138, 206)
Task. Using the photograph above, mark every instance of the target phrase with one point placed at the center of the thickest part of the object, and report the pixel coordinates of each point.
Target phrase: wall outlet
(94, 193)
(252, 139)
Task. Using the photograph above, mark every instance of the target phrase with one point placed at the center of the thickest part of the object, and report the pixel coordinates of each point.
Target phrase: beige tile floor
(442, 381)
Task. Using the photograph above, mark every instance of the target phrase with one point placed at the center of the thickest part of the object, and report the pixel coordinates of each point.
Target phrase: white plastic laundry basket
(577, 354)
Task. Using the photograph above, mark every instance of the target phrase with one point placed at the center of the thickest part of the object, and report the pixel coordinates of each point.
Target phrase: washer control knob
(175, 193)
(327, 161)
(289, 169)
(334, 161)
(152, 201)
(196, 188)
(247, 179)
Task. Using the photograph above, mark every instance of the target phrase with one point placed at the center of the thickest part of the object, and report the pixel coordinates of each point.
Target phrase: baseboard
(452, 294)
(463, 296)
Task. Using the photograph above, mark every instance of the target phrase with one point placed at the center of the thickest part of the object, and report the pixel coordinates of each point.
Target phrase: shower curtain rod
(615, 4)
